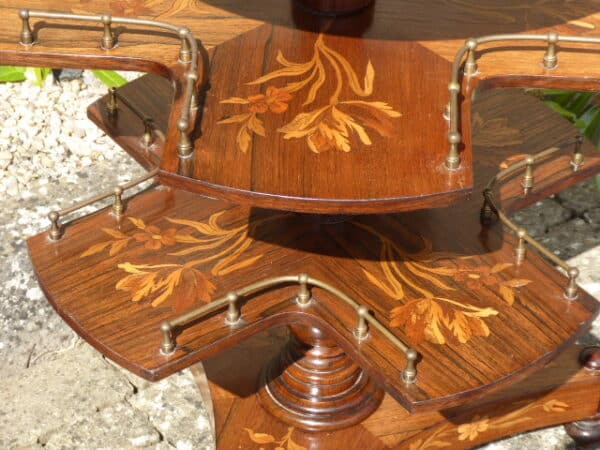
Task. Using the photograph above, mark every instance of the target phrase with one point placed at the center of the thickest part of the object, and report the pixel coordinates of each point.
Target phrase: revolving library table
(315, 232)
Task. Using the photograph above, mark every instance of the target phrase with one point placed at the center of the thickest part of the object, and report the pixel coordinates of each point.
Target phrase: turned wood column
(586, 433)
(315, 386)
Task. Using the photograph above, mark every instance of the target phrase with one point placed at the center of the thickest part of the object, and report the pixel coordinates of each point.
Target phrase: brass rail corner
(233, 316)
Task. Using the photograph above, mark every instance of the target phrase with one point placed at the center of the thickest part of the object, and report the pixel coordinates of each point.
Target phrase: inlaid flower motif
(274, 100)
(154, 238)
(478, 278)
(182, 286)
(555, 406)
(130, 8)
(471, 430)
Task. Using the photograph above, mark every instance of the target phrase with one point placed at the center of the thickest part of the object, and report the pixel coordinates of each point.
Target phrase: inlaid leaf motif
(326, 127)
(438, 320)
(259, 438)
(555, 406)
(118, 242)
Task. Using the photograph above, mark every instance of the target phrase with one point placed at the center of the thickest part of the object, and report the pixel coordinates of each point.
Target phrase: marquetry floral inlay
(327, 127)
(284, 443)
(511, 417)
(436, 314)
(179, 285)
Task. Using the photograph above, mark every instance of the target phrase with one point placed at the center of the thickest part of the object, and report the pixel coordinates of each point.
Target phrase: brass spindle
(486, 212)
(362, 329)
(233, 312)
(118, 205)
(304, 297)
(578, 157)
(185, 52)
(168, 343)
(409, 374)
(453, 158)
(108, 38)
(446, 113)
(521, 250)
(528, 178)
(26, 33)
(184, 147)
(148, 137)
(55, 231)
(572, 288)
(550, 58)
(112, 104)
(194, 97)
(471, 63)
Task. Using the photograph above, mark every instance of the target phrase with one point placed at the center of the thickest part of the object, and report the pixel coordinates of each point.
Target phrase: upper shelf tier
(324, 115)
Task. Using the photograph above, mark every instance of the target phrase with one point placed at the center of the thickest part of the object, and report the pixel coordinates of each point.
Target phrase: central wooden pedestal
(313, 385)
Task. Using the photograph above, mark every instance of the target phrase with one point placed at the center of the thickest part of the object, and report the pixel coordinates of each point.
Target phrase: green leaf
(37, 75)
(110, 78)
(12, 73)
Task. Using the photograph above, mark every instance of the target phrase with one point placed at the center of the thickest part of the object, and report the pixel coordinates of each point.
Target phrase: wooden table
(316, 156)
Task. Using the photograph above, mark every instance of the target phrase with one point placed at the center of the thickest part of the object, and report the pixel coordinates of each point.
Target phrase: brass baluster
(528, 178)
(194, 96)
(471, 63)
(55, 231)
(184, 147)
(108, 38)
(550, 58)
(118, 205)
(521, 250)
(572, 288)
(168, 344)
(185, 52)
(304, 297)
(362, 329)
(578, 157)
(409, 374)
(454, 137)
(233, 312)
(112, 104)
(26, 32)
(148, 137)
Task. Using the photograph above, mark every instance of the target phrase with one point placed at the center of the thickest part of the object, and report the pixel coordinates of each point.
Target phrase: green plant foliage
(12, 73)
(110, 78)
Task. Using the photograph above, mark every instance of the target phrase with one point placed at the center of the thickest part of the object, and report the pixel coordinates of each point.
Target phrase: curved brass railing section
(550, 61)
(528, 182)
(118, 206)
(303, 299)
(188, 56)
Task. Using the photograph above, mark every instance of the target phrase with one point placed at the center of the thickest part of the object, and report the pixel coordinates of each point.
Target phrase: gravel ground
(58, 392)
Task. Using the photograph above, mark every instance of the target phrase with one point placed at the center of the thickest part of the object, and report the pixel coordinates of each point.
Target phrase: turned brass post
(486, 212)
(303, 298)
(550, 58)
(454, 137)
(233, 312)
(168, 343)
(148, 137)
(118, 205)
(55, 231)
(572, 288)
(409, 374)
(112, 104)
(521, 250)
(26, 33)
(578, 156)
(108, 38)
(184, 148)
(362, 329)
(192, 78)
(185, 52)
(471, 63)
(446, 113)
(528, 179)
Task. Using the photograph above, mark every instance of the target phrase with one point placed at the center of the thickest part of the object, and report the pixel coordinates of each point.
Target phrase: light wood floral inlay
(284, 443)
(475, 427)
(327, 127)
(433, 315)
(179, 285)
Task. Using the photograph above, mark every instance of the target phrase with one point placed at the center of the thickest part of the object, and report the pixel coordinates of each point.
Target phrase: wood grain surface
(366, 133)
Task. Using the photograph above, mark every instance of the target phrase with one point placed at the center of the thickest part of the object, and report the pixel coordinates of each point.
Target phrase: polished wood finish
(315, 386)
(385, 45)
(475, 269)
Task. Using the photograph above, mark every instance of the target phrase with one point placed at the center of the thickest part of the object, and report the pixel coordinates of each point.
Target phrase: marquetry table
(328, 226)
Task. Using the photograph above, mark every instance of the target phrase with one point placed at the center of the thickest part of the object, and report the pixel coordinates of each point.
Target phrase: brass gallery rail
(550, 62)
(528, 182)
(188, 55)
(303, 299)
